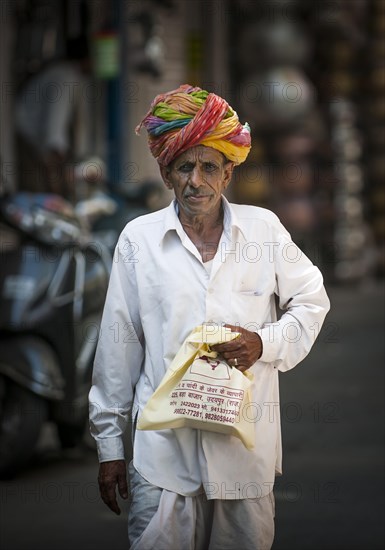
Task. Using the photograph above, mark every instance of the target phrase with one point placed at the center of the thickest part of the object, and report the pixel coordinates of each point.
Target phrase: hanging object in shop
(278, 98)
(106, 55)
(265, 44)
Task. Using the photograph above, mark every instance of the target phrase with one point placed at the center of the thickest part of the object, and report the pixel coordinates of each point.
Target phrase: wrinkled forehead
(200, 154)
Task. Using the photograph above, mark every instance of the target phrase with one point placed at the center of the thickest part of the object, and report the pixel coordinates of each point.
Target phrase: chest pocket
(251, 308)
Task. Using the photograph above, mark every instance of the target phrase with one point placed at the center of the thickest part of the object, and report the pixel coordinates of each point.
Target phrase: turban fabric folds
(190, 116)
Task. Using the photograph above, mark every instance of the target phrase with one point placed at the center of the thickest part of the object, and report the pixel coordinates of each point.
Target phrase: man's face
(198, 177)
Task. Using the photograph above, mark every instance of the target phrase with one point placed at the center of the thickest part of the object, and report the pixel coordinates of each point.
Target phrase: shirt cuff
(270, 343)
(110, 448)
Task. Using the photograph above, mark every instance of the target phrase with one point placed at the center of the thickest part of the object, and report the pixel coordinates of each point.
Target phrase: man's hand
(112, 474)
(242, 352)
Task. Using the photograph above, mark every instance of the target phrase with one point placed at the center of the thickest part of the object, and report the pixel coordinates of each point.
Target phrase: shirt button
(210, 290)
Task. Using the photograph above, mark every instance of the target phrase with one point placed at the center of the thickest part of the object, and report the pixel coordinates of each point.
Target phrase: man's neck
(202, 224)
(204, 231)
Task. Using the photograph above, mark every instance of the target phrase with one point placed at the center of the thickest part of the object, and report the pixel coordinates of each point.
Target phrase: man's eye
(185, 167)
(209, 167)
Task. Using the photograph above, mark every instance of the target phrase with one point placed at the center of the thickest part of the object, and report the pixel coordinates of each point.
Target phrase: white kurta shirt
(159, 291)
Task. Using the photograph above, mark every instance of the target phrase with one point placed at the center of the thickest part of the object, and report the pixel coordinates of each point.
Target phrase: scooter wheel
(22, 414)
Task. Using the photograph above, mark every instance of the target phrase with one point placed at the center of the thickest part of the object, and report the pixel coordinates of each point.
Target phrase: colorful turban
(188, 116)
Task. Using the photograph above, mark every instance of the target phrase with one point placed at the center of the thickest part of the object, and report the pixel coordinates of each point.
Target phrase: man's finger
(122, 486)
(227, 346)
(109, 498)
(107, 492)
(234, 328)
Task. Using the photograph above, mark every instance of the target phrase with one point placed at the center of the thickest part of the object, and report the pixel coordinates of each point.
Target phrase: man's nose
(196, 177)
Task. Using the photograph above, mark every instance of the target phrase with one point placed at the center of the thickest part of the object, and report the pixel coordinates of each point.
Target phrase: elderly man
(199, 260)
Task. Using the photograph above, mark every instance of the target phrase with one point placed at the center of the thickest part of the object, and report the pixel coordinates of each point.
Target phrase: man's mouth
(196, 196)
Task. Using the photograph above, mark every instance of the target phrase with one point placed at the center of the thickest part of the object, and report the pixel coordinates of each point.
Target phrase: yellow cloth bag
(199, 391)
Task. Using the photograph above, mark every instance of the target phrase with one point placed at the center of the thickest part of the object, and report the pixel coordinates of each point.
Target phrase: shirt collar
(230, 219)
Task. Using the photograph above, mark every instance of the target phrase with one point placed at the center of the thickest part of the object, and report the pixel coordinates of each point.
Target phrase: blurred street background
(309, 77)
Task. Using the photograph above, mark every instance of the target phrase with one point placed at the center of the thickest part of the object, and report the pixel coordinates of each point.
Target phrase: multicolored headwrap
(188, 116)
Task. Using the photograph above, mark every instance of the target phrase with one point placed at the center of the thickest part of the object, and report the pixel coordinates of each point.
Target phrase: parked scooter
(53, 281)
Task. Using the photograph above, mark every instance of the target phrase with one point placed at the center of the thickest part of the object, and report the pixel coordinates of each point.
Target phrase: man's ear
(165, 173)
(228, 173)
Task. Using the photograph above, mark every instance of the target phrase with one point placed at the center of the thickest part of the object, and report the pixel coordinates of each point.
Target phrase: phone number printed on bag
(207, 401)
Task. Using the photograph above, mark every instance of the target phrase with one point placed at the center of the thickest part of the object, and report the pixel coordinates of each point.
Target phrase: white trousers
(162, 520)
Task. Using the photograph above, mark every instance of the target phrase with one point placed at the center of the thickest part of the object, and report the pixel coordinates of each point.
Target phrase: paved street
(331, 494)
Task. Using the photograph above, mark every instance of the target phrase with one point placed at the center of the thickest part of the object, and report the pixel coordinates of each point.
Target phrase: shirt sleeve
(119, 357)
(303, 298)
